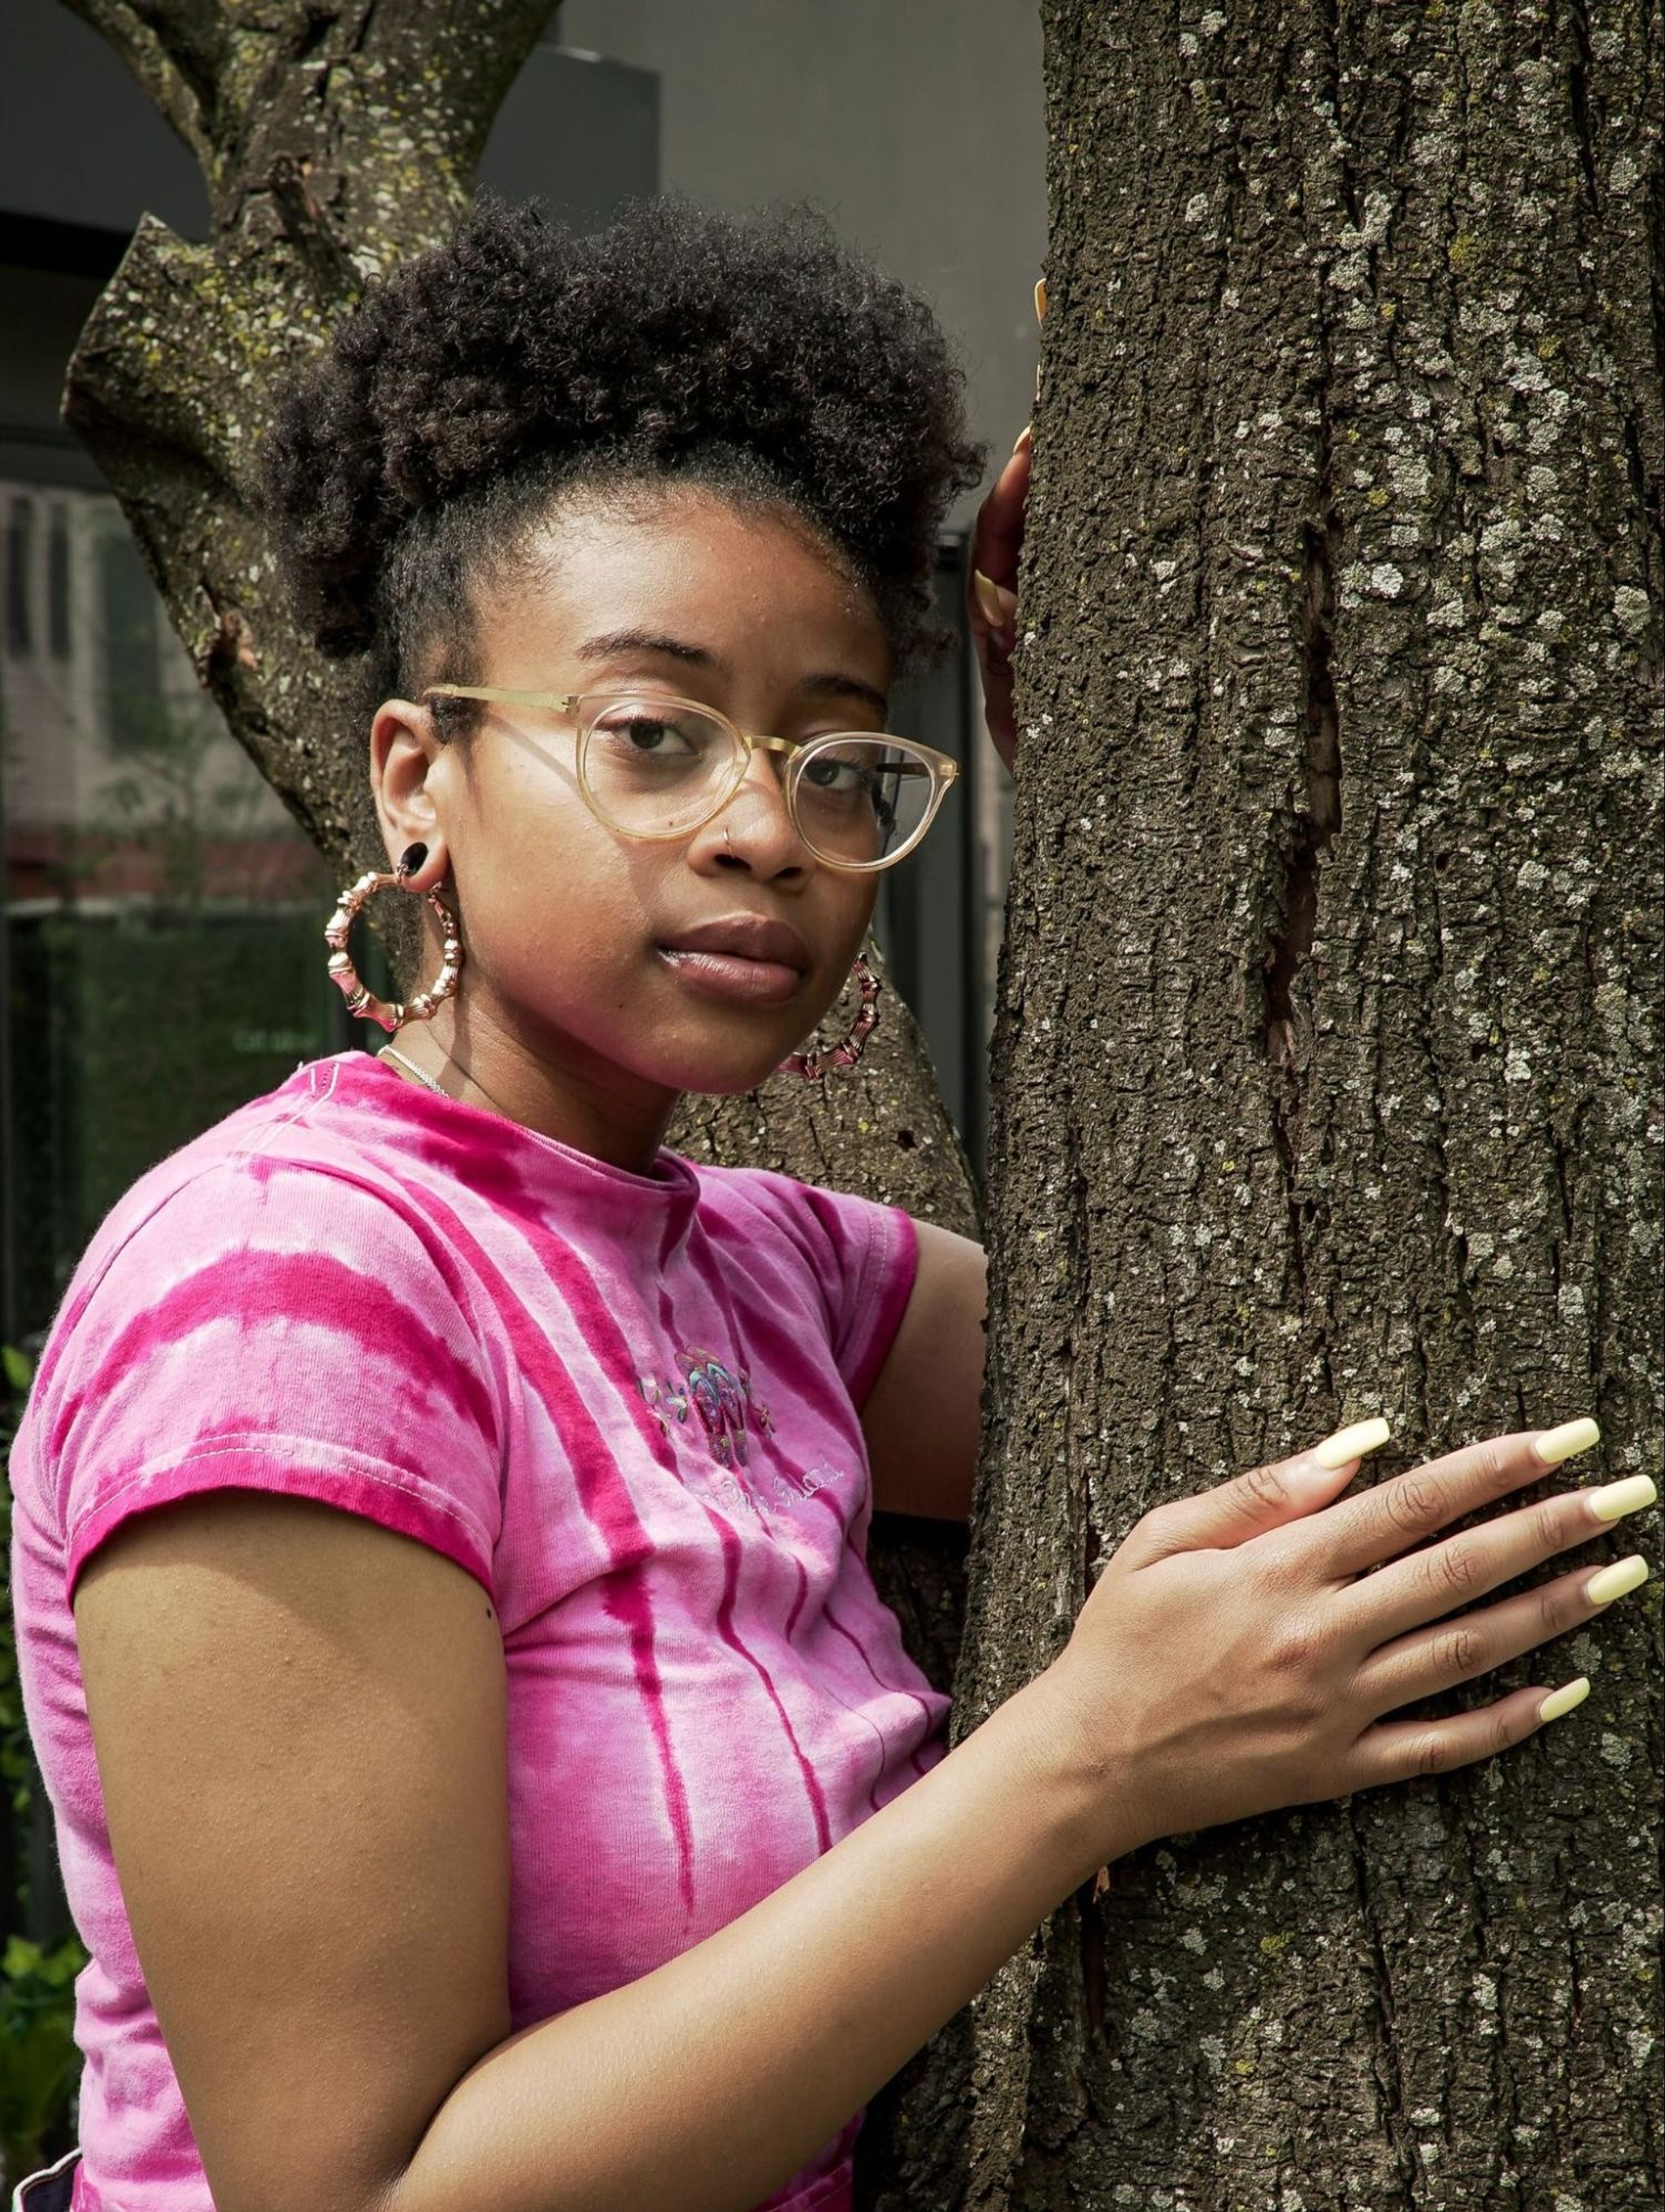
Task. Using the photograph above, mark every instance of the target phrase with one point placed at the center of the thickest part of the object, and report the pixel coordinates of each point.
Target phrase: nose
(754, 828)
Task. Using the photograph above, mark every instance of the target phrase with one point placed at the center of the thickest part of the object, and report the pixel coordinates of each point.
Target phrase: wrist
(1085, 1776)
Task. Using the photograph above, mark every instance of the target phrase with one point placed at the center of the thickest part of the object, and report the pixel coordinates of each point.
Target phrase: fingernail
(1352, 1443)
(1614, 1581)
(1040, 299)
(1567, 1442)
(1615, 1499)
(998, 605)
(1560, 1702)
(1024, 437)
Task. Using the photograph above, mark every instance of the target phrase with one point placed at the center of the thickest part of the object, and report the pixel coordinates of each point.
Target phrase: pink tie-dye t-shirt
(627, 1404)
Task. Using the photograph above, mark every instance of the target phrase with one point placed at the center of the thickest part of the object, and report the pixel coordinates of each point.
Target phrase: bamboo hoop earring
(812, 1065)
(361, 1002)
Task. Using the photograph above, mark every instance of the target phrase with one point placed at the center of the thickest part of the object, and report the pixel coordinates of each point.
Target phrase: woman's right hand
(990, 584)
(991, 600)
(1241, 1648)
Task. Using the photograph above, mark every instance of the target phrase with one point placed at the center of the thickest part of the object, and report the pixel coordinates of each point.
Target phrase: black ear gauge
(412, 858)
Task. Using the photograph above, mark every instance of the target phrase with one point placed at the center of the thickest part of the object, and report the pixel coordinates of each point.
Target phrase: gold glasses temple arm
(565, 702)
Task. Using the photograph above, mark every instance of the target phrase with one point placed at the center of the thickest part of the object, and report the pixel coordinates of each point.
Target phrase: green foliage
(37, 2030)
(37, 1984)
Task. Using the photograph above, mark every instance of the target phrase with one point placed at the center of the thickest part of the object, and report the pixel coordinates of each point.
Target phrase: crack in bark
(1578, 98)
(1390, 2080)
(307, 228)
(1315, 827)
(1313, 831)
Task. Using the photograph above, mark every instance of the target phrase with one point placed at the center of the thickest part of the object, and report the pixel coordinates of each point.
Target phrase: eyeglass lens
(660, 769)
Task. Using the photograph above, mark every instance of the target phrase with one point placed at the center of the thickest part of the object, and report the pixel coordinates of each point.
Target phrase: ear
(403, 748)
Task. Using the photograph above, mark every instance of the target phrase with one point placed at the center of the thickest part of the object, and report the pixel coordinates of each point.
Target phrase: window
(58, 583)
(19, 576)
(127, 622)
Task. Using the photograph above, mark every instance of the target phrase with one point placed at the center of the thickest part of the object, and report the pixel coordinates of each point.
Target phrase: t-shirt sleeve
(280, 1328)
(865, 1257)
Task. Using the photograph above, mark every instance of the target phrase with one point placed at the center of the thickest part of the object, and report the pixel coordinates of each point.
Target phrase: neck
(478, 1063)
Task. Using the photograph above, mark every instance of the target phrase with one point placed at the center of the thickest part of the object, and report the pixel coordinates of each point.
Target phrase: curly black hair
(415, 455)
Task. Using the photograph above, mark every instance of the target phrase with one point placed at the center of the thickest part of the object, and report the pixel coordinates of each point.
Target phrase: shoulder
(275, 1208)
(270, 1308)
(836, 1232)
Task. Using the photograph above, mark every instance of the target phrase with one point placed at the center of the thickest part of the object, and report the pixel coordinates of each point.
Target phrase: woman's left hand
(991, 597)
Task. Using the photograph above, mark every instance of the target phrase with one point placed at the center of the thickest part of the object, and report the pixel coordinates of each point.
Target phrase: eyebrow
(618, 644)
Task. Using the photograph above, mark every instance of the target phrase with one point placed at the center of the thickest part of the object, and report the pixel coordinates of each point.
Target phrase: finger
(997, 605)
(1435, 1659)
(998, 540)
(1431, 1582)
(1267, 1497)
(1384, 1522)
(1397, 1751)
(999, 711)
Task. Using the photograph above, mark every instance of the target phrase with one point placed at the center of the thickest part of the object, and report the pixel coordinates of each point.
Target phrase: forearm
(704, 2085)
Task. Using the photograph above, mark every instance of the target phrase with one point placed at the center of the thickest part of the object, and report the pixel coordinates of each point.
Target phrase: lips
(744, 937)
(741, 959)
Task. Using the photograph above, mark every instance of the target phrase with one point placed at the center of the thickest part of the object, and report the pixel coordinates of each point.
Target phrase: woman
(485, 1775)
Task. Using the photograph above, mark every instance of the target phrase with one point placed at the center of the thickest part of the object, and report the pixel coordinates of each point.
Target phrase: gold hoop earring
(812, 1065)
(361, 1002)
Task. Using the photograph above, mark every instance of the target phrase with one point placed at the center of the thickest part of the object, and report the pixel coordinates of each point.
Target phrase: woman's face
(565, 923)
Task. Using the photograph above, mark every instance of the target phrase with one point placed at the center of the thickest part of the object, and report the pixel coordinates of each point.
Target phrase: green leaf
(21, 1958)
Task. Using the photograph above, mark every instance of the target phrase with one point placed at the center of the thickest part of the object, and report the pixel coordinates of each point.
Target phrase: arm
(299, 1722)
(923, 1416)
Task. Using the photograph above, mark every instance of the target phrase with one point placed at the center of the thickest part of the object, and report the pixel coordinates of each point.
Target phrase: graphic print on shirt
(724, 1404)
(720, 1395)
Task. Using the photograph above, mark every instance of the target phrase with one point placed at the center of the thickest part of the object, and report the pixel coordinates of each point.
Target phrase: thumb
(1267, 1497)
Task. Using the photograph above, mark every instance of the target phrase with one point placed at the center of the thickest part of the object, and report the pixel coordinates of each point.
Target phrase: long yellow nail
(998, 605)
(1567, 1442)
(1040, 299)
(1615, 1499)
(1614, 1581)
(1561, 1702)
(1352, 1443)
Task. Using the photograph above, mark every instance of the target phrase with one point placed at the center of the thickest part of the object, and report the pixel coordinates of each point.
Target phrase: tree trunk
(337, 137)
(1327, 1077)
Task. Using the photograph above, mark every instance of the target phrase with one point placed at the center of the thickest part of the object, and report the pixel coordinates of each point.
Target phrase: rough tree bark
(337, 137)
(1326, 1070)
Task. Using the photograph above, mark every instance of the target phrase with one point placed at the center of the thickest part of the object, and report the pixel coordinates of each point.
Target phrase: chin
(708, 1082)
(716, 1074)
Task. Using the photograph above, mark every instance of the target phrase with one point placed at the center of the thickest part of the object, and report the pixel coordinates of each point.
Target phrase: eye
(635, 729)
(839, 775)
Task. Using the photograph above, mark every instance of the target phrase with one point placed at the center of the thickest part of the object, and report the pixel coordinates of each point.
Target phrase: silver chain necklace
(423, 1077)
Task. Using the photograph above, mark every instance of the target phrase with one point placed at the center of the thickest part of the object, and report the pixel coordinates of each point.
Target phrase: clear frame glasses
(657, 768)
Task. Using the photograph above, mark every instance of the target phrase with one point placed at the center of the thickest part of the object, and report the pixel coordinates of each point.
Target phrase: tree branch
(139, 35)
